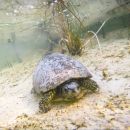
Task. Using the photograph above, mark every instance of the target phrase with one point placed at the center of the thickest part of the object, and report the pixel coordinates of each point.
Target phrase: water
(25, 29)
(19, 41)
(26, 34)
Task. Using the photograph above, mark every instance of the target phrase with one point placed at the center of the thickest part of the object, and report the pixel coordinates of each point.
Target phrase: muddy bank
(109, 109)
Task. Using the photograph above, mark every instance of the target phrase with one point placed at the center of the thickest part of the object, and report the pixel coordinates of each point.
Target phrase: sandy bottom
(108, 109)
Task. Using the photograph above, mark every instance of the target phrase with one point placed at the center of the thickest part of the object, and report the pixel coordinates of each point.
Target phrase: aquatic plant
(67, 19)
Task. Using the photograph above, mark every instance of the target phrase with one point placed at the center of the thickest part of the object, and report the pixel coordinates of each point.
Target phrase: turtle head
(71, 90)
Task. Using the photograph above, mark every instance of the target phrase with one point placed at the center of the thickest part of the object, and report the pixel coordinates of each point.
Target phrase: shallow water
(23, 42)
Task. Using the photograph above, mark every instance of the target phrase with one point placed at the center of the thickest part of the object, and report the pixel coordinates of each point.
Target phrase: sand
(108, 109)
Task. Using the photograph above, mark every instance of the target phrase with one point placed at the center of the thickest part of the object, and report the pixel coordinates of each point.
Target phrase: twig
(62, 2)
(95, 35)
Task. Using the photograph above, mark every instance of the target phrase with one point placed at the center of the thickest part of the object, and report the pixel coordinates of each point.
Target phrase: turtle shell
(56, 69)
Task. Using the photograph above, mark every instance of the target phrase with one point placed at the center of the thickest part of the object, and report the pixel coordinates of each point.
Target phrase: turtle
(60, 76)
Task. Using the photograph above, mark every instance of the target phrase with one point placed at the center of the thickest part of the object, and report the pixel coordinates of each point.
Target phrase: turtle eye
(66, 89)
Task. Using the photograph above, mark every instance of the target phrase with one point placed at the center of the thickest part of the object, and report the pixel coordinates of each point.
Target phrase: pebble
(79, 122)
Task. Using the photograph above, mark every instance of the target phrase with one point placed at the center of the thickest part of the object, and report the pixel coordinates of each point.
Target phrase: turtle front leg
(90, 85)
(45, 102)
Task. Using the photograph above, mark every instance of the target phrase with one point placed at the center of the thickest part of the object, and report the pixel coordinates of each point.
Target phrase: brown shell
(55, 69)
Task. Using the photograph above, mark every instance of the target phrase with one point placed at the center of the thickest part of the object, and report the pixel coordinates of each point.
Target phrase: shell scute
(56, 69)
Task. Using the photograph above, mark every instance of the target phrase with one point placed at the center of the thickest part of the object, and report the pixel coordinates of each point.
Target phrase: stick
(95, 34)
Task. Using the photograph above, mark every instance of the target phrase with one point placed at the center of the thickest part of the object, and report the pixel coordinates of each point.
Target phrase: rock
(82, 128)
(79, 122)
(69, 126)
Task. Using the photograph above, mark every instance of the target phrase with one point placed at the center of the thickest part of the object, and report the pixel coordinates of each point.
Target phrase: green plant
(70, 26)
